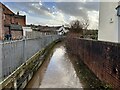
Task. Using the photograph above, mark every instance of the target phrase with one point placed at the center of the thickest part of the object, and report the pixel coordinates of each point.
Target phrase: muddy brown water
(56, 72)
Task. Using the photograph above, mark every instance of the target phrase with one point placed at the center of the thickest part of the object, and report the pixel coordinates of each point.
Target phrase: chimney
(18, 13)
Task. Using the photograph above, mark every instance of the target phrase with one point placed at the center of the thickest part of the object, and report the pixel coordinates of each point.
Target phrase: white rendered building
(109, 22)
(62, 31)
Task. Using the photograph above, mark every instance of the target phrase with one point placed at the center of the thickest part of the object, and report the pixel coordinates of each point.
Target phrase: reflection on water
(60, 73)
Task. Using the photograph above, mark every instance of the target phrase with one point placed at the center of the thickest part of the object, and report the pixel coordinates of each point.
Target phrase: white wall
(108, 22)
(26, 29)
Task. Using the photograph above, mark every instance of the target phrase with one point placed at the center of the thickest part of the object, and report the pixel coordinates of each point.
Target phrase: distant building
(109, 22)
(46, 30)
(11, 23)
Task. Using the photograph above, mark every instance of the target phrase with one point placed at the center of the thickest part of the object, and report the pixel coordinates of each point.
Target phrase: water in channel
(58, 72)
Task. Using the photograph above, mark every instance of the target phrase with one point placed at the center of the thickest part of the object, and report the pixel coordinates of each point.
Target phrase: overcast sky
(57, 13)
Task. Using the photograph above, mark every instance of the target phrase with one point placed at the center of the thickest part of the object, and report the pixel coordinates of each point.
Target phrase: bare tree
(85, 24)
(80, 27)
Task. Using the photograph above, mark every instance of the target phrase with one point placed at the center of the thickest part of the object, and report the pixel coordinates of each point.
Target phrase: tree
(76, 26)
(80, 27)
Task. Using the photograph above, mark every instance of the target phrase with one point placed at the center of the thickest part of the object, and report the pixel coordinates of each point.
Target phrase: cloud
(78, 9)
(56, 13)
(59, 0)
(81, 11)
(72, 9)
(92, 6)
(32, 8)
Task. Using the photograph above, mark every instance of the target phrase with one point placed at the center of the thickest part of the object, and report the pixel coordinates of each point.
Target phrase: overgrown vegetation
(91, 34)
(80, 29)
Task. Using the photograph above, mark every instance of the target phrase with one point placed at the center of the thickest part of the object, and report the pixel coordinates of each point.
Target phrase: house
(109, 22)
(11, 23)
(62, 30)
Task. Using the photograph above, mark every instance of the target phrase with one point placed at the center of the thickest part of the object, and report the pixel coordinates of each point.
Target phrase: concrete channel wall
(103, 58)
(15, 53)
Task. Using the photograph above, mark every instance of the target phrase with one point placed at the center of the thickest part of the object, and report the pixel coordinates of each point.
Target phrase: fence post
(1, 62)
(24, 49)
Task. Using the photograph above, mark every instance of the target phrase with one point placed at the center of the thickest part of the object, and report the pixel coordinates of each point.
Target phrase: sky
(57, 13)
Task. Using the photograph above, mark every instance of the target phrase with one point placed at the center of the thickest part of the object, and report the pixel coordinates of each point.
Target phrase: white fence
(14, 53)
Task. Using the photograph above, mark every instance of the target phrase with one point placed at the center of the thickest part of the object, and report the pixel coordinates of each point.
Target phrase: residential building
(62, 30)
(109, 22)
(11, 23)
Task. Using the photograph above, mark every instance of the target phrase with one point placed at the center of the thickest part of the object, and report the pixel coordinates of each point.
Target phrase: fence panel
(14, 53)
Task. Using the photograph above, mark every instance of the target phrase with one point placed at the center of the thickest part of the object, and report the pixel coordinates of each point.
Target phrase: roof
(6, 9)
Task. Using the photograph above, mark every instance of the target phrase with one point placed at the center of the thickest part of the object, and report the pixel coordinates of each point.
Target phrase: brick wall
(16, 19)
(6, 10)
(7, 18)
(16, 34)
(21, 20)
(12, 18)
(1, 25)
(103, 58)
